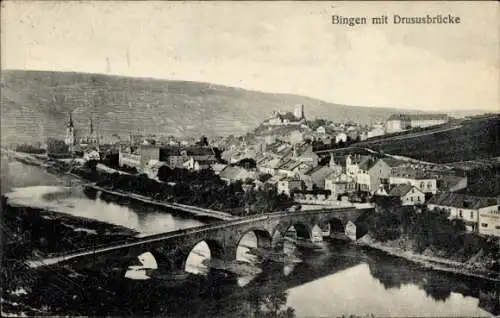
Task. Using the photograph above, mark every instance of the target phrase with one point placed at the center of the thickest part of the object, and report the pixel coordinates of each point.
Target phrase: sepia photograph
(270, 159)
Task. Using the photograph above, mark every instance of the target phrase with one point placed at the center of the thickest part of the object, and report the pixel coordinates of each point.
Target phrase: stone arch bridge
(172, 249)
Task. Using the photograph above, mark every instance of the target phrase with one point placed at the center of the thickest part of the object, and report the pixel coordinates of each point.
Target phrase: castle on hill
(280, 118)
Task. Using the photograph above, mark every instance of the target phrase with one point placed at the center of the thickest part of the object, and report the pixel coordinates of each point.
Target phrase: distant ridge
(35, 105)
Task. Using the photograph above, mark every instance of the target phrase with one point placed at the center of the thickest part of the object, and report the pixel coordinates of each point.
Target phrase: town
(245, 159)
(315, 163)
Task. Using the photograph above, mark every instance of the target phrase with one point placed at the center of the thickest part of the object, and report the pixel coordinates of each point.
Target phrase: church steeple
(70, 122)
(70, 134)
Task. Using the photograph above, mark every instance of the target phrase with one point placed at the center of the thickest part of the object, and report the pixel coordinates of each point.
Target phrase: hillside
(35, 105)
(473, 139)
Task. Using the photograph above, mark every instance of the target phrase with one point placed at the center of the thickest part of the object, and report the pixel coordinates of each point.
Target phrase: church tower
(299, 112)
(93, 140)
(70, 134)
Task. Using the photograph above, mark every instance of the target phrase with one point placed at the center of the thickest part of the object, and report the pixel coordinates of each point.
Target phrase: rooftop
(462, 201)
(400, 190)
(411, 174)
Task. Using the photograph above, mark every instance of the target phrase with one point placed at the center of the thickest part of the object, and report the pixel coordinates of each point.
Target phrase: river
(338, 279)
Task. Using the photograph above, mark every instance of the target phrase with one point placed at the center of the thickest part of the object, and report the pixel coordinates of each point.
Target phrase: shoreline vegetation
(430, 239)
(429, 262)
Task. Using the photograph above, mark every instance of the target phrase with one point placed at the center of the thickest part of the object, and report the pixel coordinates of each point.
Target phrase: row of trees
(200, 188)
(29, 149)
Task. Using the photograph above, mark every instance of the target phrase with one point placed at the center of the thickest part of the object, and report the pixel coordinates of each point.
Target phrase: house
(152, 167)
(303, 153)
(268, 164)
(175, 157)
(292, 167)
(341, 137)
(416, 178)
(197, 165)
(287, 185)
(321, 130)
(315, 177)
(235, 173)
(480, 214)
(489, 220)
(358, 166)
(91, 155)
(129, 159)
(381, 171)
(409, 194)
(340, 184)
(353, 134)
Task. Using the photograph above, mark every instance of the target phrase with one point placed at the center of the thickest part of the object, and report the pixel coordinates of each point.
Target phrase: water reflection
(73, 201)
(346, 280)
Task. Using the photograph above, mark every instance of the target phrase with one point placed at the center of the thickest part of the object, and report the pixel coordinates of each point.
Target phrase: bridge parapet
(223, 237)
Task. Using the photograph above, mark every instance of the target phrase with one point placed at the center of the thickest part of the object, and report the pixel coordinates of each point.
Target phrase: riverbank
(196, 211)
(431, 262)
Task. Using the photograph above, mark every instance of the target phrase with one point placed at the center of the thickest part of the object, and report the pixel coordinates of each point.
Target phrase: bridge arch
(264, 238)
(302, 230)
(245, 242)
(200, 251)
(336, 225)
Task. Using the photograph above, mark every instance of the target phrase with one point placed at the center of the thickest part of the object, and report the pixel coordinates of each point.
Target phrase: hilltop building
(280, 118)
(399, 122)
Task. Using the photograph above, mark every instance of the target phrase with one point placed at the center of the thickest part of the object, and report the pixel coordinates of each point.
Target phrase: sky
(283, 47)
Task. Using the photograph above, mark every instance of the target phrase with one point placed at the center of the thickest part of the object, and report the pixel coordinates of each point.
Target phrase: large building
(399, 122)
(280, 118)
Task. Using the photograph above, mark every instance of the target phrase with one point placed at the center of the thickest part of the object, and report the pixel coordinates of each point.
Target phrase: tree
(247, 163)
(56, 146)
(164, 173)
(264, 177)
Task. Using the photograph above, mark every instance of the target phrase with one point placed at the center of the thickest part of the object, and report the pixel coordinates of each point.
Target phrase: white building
(416, 178)
(480, 214)
(196, 165)
(399, 122)
(340, 137)
(321, 130)
(91, 155)
(408, 194)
